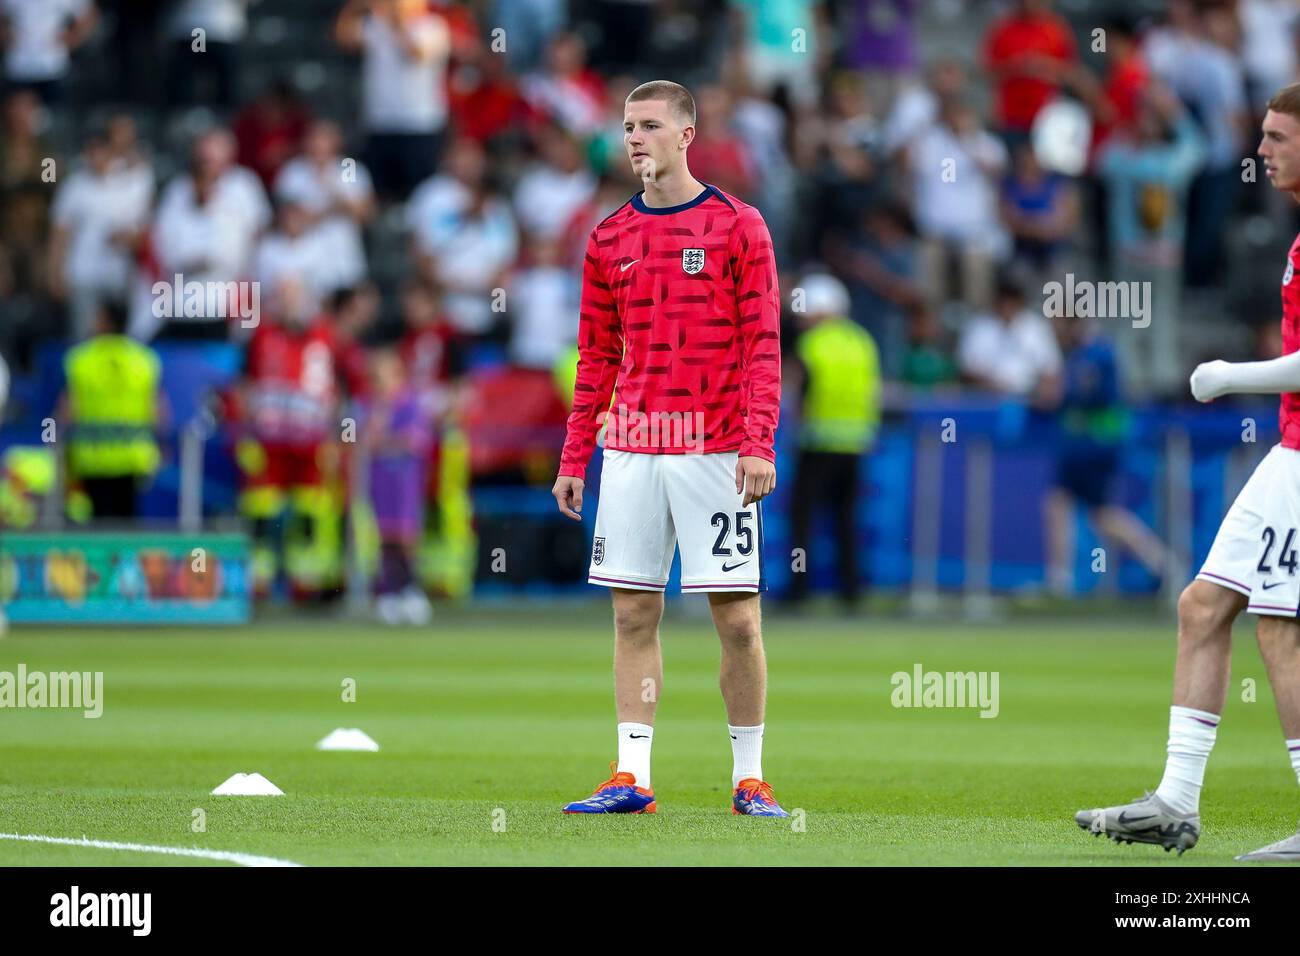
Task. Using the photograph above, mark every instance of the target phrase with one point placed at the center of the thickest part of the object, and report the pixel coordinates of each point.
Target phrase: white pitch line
(242, 859)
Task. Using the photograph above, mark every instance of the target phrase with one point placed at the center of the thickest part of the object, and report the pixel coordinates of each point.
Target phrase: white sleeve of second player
(1273, 377)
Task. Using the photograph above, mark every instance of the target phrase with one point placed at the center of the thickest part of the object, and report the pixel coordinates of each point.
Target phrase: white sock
(1293, 748)
(746, 753)
(1191, 737)
(634, 751)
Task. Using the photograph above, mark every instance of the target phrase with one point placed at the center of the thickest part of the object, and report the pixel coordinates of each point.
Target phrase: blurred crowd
(489, 134)
(435, 223)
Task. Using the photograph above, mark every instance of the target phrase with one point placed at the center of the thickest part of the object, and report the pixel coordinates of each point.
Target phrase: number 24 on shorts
(1286, 557)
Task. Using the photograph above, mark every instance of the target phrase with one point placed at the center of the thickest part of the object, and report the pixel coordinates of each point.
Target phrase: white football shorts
(1256, 549)
(650, 504)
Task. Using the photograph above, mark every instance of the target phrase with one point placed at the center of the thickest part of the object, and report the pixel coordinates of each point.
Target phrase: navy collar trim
(639, 204)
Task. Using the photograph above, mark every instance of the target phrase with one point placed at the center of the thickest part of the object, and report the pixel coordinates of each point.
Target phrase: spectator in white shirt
(101, 213)
(543, 304)
(39, 37)
(553, 189)
(468, 258)
(1268, 46)
(338, 197)
(441, 198)
(956, 166)
(1011, 351)
(294, 249)
(206, 228)
(404, 49)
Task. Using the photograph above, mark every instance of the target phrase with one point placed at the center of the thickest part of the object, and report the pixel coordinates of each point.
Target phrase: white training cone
(347, 738)
(248, 785)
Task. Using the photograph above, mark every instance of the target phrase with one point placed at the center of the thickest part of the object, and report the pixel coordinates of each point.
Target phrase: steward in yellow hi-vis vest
(840, 368)
(111, 413)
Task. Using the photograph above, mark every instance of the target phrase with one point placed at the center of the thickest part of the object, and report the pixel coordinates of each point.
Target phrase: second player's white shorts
(650, 504)
(1257, 549)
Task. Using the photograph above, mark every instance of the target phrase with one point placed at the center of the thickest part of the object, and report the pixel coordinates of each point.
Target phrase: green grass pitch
(512, 711)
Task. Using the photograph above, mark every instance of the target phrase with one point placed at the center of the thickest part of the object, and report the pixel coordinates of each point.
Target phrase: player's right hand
(568, 495)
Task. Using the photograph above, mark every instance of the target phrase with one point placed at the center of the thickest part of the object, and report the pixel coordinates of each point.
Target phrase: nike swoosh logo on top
(1275, 584)
(638, 736)
(1127, 819)
(628, 265)
(732, 567)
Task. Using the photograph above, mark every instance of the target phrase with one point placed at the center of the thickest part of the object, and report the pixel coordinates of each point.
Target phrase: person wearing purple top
(882, 35)
(399, 430)
(881, 41)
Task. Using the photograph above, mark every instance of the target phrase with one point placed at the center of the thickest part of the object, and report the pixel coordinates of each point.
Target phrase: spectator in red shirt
(1031, 54)
(484, 99)
(718, 155)
(1122, 86)
(566, 89)
(270, 131)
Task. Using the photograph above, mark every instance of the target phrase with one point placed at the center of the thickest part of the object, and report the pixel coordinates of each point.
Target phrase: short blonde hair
(678, 97)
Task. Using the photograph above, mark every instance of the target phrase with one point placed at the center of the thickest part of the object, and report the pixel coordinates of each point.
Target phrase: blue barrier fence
(1180, 469)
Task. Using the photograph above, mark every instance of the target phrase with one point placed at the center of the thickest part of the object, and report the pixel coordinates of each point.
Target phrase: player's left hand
(1210, 380)
(756, 477)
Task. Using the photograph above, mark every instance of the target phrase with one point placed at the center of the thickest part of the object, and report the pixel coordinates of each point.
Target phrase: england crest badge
(598, 551)
(692, 261)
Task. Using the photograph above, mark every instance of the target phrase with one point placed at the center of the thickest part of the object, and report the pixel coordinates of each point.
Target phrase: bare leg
(744, 668)
(1058, 518)
(1205, 615)
(638, 664)
(1279, 645)
(1131, 532)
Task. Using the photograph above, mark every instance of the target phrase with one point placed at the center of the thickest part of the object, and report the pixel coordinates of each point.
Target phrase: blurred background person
(879, 265)
(565, 89)
(1041, 210)
(882, 41)
(39, 37)
(28, 160)
(112, 411)
(1010, 350)
(288, 428)
(468, 256)
(398, 430)
(1148, 170)
(839, 380)
(404, 49)
(339, 198)
(784, 46)
(1196, 56)
(203, 68)
(542, 298)
(928, 360)
(554, 187)
(1094, 422)
(955, 166)
(293, 249)
(1030, 52)
(205, 230)
(100, 217)
(270, 130)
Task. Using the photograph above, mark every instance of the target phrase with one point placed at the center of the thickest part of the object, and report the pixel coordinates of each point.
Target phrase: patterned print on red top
(680, 321)
(1289, 414)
